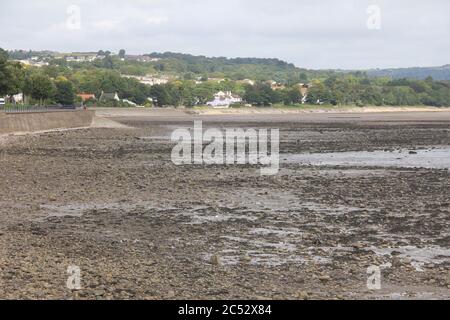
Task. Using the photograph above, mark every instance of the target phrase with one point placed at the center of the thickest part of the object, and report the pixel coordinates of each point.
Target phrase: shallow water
(418, 256)
(438, 158)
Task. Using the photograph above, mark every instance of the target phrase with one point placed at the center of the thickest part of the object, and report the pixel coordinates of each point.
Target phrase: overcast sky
(348, 34)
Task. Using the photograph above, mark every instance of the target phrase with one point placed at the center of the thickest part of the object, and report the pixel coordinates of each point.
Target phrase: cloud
(313, 34)
(106, 25)
(156, 20)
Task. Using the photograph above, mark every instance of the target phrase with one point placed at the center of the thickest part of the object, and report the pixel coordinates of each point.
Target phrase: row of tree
(11, 75)
(347, 90)
(45, 90)
(380, 91)
(37, 85)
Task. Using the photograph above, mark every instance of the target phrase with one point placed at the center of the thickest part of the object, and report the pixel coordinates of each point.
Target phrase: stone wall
(41, 121)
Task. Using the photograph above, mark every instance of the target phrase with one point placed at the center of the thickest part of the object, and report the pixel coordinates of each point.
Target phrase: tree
(4, 72)
(188, 76)
(160, 95)
(65, 93)
(39, 87)
(11, 75)
(17, 77)
(204, 92)
(107, 63)
(292, 96)
(261, 94)
(303, 77)
(122, 53)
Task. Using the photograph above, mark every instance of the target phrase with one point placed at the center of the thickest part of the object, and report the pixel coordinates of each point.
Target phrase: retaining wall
(41, 121)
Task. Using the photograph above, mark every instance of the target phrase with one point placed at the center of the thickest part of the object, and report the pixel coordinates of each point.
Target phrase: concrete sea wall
(41, 121)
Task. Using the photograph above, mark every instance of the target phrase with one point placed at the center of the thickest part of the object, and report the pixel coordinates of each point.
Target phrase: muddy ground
(111, 202)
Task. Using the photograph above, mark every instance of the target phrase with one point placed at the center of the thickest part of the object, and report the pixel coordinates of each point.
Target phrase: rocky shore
(110, 201)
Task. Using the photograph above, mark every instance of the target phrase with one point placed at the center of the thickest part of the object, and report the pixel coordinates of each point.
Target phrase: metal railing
(29, 109)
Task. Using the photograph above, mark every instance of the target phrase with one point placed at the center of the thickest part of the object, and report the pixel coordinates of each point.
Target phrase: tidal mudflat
(352, 192)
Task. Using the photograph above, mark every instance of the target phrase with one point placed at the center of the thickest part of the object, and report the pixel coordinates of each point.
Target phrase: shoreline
(288, 110)
(113, 112)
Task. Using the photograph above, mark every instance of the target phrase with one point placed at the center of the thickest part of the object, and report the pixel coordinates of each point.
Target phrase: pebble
(99, 293)
(215, 260)
(324, 278)
(303, 295)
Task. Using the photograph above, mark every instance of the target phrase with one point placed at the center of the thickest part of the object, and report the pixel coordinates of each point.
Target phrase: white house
(129, 102)
(17, 98)
(106, 96)
(224, 100)
(33, 63)
(75, 59)
(149, 80)
(82, 58)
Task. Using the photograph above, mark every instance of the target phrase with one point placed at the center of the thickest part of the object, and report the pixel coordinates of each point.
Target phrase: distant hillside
(191, 59)
(189, 67)
(235, 69)
(437, 73)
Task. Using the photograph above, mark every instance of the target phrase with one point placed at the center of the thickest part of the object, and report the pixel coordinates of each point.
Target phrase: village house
(105, 96)
(17, 98)
(217, 80)
(86, 96)
(141, 58)
(33, 63)
(131, 103)
(248, 81)
(80, 57)
(75, 59)
(14, 99)
(304, 89)
(276, 86)
(224, 100)
(149, 80)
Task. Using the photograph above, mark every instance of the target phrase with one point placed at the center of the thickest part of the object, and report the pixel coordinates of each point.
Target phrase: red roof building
(86, 96)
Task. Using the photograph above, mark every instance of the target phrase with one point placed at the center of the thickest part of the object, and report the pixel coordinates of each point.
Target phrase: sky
(321, 34)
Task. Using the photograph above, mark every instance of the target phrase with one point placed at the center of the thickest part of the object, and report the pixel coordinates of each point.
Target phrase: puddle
(72, 210)
(202, 215)
(281, 246)
(256, 258)
(283, 232)
(438, 158)
(78, 210)
(293, 205)
(419, 256)
(331, 210)
(259, 252)
(264, 257)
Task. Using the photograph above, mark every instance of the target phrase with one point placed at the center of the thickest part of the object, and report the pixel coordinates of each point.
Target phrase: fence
(30, 109)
